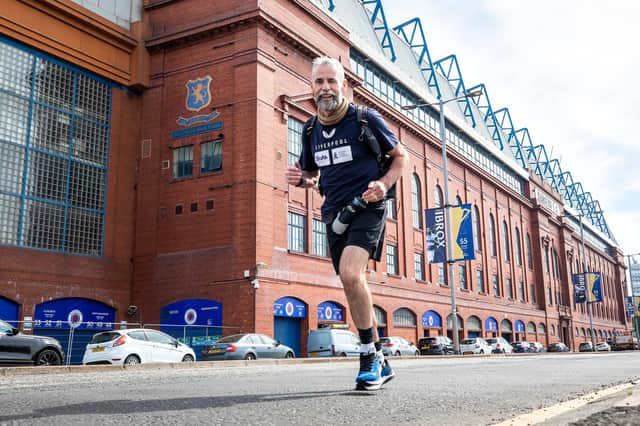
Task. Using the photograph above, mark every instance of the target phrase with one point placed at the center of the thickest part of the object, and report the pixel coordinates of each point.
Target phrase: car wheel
(417, 353)
(343, 354)
(397, 353)
(289, 355)
(504, 351)
(187, 358)
(48, 357)
(249, 356)
(132, 360)
(482, 352)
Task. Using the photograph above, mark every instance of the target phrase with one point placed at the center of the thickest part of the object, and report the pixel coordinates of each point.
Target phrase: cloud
(566, 71)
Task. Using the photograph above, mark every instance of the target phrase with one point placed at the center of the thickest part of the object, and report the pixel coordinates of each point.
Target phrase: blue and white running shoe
(370, 374)
(387, 372)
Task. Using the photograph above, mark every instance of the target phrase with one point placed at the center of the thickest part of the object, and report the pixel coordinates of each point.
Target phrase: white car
(135, 346)
(499, 345)
(475, 345)
(603, 347)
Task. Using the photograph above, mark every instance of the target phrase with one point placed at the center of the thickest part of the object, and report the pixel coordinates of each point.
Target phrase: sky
(566, 70)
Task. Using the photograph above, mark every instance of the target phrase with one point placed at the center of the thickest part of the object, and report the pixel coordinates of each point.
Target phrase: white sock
(367, 348)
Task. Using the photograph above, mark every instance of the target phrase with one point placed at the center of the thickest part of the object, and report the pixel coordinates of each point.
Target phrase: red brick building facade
(209, 96)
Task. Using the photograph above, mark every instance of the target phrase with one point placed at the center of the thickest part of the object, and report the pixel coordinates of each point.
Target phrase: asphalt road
(442, 391)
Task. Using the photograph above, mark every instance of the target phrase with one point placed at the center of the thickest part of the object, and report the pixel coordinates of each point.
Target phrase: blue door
(9, 311)
(287, 331)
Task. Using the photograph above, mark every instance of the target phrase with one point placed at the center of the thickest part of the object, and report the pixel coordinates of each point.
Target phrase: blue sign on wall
(330, 311)
(628, 302)
(431, 319)
(519, 327)
(579, 288)
(490, 324)
(75, 313)
(436, 235)
(289, 307)
(192, 312)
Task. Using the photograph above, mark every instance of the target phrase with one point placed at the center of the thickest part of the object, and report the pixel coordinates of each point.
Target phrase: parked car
(603, 347)
(246, 346)
(558, 347)
(475, 345)
(17, 348)
(521, 347)
(499, 345)
(537, 347)
(332, 342)
(436, 345)
(585, 347)
(135, 346)
(396, 346)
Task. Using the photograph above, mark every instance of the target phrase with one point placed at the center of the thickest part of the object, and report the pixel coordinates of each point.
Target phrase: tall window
(183, 162)
(391, 208)
(509, 288)
(529, 255)
(532, 296)
(518, 248)
(54, 149)
(419, 266)
(437, 197)
(521, 290)
(546, 259)
(462, 276)
(294, 140)
(476, 228)
(505, 233)
(320, 244)
(404, 317)
(496, 287)
(492, 236)
(550, 295)
(480, 280)
(211, 156)
(297, 232)
(442, 276)
(416, 202)
(392, 259)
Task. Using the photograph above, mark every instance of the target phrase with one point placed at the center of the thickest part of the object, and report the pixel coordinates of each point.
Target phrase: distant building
(142, 152)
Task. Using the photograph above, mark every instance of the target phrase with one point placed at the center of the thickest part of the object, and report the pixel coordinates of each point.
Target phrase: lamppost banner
(629, 308)
(634, 274)
(579, 288)
(462, 229)
(436, 235)
(594, 286)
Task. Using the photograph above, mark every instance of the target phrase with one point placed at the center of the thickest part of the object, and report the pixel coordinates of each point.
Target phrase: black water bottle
(346, 215)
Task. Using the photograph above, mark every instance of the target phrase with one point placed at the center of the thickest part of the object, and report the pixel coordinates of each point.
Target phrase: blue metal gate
(9, 311)
(287, 331)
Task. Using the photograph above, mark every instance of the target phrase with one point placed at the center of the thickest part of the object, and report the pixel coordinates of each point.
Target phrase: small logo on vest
(329, 134)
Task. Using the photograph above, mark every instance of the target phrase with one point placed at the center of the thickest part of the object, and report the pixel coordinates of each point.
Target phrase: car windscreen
(104, 337)
(384, 340)
(492, 341)
(468, 342)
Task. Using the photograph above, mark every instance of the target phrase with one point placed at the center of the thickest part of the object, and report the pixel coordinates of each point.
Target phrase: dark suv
(437, 345)
(17, 348)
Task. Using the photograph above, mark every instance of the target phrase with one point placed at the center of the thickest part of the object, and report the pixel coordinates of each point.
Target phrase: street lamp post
(447, 206)
(635, 321)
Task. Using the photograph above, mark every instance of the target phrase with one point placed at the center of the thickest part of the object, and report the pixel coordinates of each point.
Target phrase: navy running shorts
(366, 231)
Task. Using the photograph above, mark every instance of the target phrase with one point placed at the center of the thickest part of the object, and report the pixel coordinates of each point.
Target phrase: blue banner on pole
(579, 288)
(436, 236)
(594, 286)
(462, 231)
(629, 308)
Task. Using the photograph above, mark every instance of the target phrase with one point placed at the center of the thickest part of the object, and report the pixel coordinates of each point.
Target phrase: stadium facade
(143, 150)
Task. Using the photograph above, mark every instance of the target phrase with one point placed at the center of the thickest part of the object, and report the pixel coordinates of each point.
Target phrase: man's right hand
(293, 174)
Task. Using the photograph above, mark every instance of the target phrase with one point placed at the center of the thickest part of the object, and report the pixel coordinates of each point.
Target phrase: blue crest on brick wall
(198, 93)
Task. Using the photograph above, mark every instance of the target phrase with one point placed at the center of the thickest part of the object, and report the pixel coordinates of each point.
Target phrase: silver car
(475, 345)
(396, 346)
(499, 345)
(246, 346)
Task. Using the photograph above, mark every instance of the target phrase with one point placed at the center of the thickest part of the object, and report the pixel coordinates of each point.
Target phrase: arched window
(518, 248)
(505, 234)
(492, 235)
(416, 202)
(437, 197)
(404, 317)
(529, 256)
(476, 228)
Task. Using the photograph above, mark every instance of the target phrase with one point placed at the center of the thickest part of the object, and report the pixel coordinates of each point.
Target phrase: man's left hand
(375, 192)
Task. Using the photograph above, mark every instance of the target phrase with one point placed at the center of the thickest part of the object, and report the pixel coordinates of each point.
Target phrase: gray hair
(332, 62)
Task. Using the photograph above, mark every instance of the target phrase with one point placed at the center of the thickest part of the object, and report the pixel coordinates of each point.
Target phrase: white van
(332, 342)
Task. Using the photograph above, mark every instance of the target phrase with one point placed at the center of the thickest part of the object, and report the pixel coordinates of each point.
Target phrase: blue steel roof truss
(381, 28)
(504, 120)
(484, 105)
(413, 34)
(449, 67)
